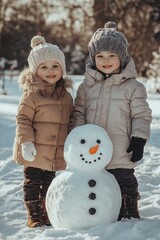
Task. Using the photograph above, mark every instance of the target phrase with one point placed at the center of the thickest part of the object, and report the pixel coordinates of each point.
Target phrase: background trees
(70, 24)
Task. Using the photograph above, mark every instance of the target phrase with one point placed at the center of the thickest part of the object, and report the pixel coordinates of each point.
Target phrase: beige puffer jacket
(118, 104)
(43, 117)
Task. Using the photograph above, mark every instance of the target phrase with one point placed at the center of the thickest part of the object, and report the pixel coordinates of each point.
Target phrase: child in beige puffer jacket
(43, 119)
(111, 97)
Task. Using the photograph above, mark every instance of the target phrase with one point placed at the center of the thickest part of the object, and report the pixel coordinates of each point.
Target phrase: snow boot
(123, 211)
(34, 214)
(44, 214)
(132, 206)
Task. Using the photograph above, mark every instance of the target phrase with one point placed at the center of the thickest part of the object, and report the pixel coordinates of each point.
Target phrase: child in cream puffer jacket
(111, 97)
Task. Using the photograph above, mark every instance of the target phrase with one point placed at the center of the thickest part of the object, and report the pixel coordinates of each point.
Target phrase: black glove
(137, 146)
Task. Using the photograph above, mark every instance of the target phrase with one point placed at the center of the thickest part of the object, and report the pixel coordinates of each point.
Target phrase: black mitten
(136, 146)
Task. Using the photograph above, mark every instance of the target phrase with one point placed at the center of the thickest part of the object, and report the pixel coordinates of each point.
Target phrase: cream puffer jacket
(43, 117)
(118, 104)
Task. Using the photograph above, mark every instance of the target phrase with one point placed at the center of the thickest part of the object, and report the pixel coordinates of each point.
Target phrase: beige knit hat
(43, 52)
(111, 40)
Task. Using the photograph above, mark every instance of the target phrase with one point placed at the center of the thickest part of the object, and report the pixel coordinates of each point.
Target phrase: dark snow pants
(129, 190)
(127, 180)
(36, 183)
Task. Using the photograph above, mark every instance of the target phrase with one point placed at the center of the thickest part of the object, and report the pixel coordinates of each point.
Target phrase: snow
(13, 213)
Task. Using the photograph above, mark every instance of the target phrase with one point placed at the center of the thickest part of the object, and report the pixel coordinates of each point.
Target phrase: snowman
(85, 194)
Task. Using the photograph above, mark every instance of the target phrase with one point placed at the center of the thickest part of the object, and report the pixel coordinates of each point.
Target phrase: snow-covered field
(13, 213)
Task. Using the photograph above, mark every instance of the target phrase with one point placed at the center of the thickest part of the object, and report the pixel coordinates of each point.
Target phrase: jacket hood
(29, 81)
(92, 75)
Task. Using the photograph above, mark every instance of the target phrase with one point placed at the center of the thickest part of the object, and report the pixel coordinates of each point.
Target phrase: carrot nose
(94, 149)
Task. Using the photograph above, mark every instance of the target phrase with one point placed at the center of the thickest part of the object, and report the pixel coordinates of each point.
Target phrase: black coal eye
(98, 141)
(83, 141)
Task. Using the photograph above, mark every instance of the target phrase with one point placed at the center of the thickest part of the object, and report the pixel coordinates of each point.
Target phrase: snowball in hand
(84, 195)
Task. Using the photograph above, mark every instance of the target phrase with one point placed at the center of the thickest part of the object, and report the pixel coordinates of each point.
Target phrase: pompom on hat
(42, 52)
(110, 40)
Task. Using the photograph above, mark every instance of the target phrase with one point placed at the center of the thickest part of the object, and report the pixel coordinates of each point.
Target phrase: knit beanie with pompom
(42, 52)
(110, 40)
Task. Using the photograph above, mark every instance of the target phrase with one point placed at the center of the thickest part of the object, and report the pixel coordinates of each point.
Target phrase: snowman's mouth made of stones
(93, 161)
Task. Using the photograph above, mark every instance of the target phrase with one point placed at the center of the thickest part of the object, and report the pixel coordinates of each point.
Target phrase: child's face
(49, 71)
(107, 62)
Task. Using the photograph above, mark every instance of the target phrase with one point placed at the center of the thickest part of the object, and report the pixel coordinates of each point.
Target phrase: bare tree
(74, 30)
(154, 70)
(5, 5)
(21, 22)
(65, 23)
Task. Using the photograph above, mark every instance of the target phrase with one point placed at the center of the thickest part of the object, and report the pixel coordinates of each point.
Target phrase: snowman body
(85, 195)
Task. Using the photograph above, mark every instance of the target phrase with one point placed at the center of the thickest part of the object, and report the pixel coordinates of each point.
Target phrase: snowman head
(88, 148)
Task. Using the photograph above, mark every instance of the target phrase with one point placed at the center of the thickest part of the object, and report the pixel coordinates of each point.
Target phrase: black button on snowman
(85, 194)
(92, 195)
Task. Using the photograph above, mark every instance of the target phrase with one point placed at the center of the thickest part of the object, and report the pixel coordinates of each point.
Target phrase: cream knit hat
(43, 52)
(109, 39)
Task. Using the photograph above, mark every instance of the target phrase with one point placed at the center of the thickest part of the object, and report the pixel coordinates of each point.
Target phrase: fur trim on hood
(29, 81)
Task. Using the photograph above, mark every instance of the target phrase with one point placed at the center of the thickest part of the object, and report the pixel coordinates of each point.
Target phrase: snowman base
(78, 201)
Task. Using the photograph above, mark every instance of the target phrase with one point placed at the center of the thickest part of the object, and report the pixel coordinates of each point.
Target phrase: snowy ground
(13, 213)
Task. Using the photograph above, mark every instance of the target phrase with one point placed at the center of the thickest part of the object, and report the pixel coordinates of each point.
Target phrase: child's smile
(107, 66)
